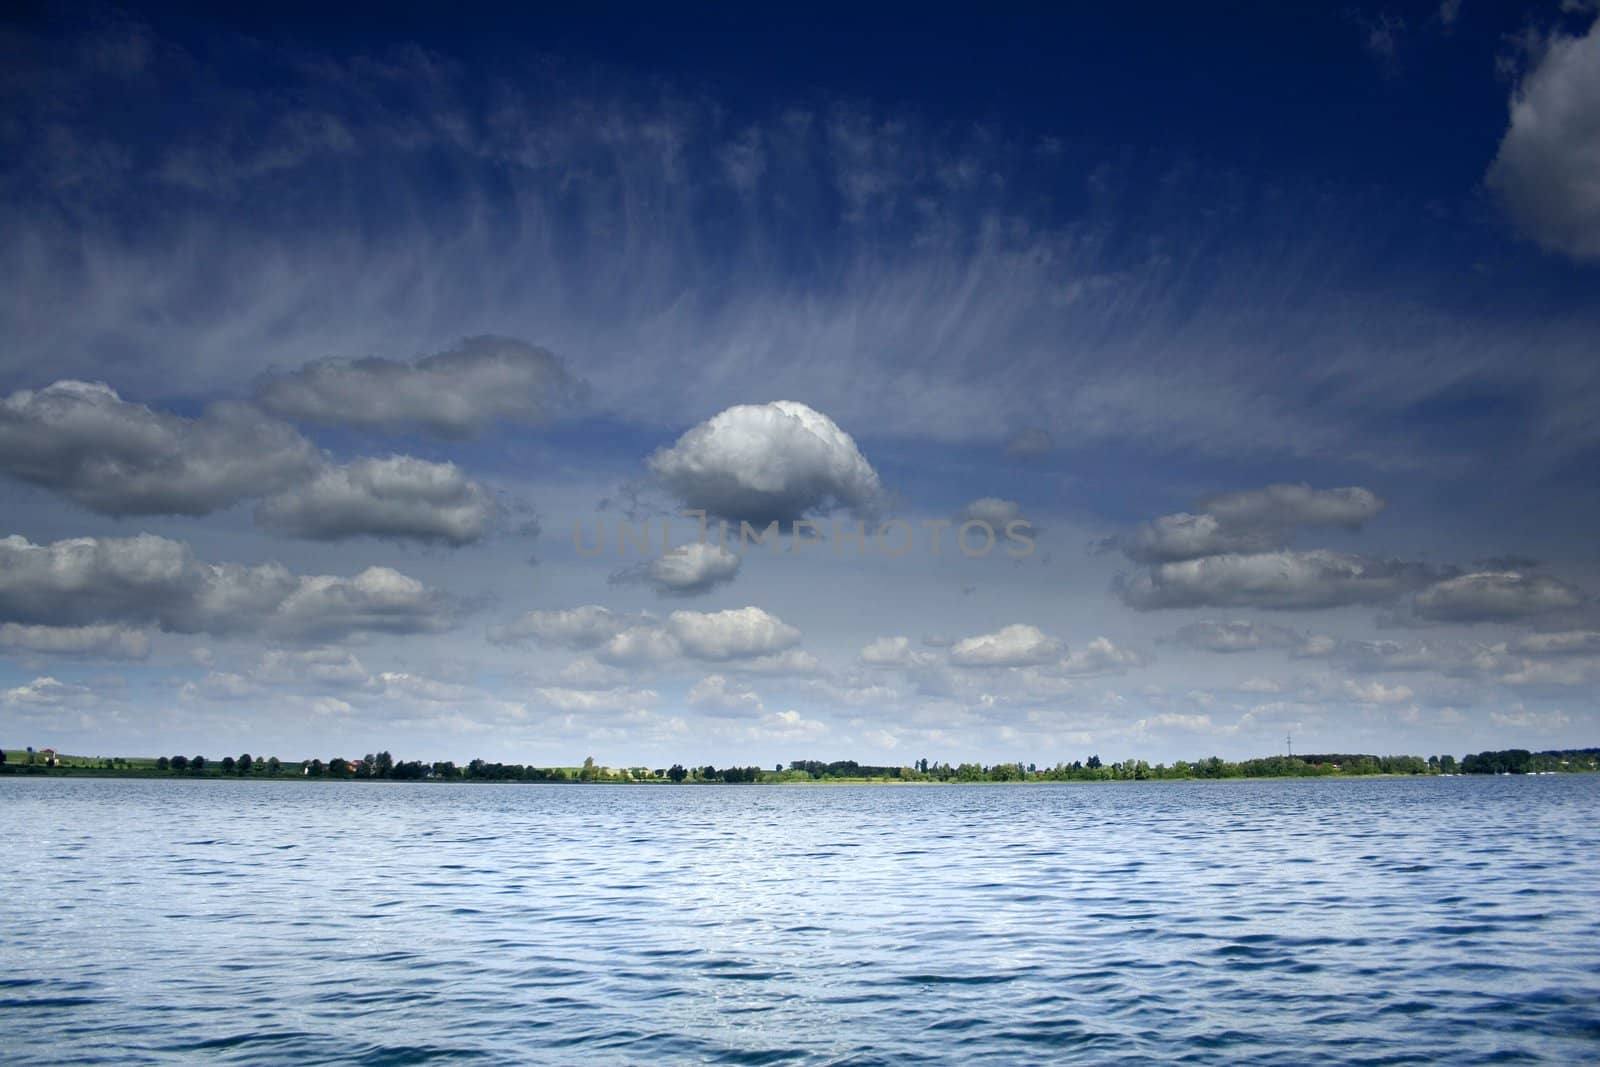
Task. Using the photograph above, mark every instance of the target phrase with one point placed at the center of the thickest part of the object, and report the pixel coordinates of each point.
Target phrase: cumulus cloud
(397, 497)
(105, 641)
(451, 394)
(689, 570)
(1280, 581)
(768, 462)
(716, 693)
(585, 627)
(1017, 645)
(149, 580)
(992, 510)
(117, 458)
(1494, 596)
(620, 699)
(737, 634)
(1375, 692)
(1250, 521)
(47, 692)
(888, 652)
(1295, 505)
(1561, 643)
(1546, 166)
(1102, 656)
(1216, 635)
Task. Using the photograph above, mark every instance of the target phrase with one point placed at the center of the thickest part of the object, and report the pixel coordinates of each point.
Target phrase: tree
(1094, 763)
(676, 772)
(273, 766)
(163, 763)
(180, 763)
(2, 757)
(383, 766)
(245, 763)
(589, 772)
(336, 767)
(198, 764)
(227, 764)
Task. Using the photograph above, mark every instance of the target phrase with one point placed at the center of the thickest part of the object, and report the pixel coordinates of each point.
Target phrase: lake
(1347, 921)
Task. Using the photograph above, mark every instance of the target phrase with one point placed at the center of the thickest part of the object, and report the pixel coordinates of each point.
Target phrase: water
(1384, 921)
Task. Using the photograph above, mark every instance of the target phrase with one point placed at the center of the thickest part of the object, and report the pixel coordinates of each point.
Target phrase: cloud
(689, 570)
(1030, 444)
(768, 462)
(1375, 692)
(96, 641)
(1280, 581)
(1561, 643)
(620, 699)
(47, 692)
(1279, 506)
(1545, 169)
(149, 580)
(1102, 656)
(716, 693)
(738, 633)
(116, 458)
(1523, 719)
(1250, 521)
(1215, 635)
(992, 510)
(452, 394)
(397, 497)
(1494, 596)
(888, 652)
(1017, 645)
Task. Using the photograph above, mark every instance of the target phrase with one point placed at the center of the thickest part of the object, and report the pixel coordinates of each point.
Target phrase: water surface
(1355, 921)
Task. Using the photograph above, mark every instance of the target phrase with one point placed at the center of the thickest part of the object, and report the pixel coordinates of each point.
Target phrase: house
(49, 755)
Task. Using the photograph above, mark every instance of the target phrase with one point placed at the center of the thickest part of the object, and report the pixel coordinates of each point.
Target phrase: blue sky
(324, 334)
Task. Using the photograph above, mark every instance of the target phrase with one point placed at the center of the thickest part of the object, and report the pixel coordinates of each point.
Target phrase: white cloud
(1283, 580)
(585, 627)
(1521, 718)
(1494, 596)
(47, 692)
(716, 693)
(620, 699)
(1546, 166)
(397, 497)
(1561, 643)
(688, 570)
(1017, 645)
(104, 641)
(1217, 635)
(1375, 692)
(1102, 656)
(764, 462)
(738, 633)
(451, 394)
(888, 652)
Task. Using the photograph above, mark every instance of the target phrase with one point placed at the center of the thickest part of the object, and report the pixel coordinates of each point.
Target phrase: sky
(1151, 383)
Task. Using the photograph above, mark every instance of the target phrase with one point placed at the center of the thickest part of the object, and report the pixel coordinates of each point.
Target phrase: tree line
(382, 765)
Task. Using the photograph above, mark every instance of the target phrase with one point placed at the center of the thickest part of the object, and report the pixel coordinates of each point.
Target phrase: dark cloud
(397, 497)
(1545, 168)
(454, 394)
(149, 580)
(117, 458)
(1251, 521)
(1495, 596)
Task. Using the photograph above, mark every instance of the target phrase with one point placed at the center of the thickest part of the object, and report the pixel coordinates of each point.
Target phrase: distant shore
(383, 767)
